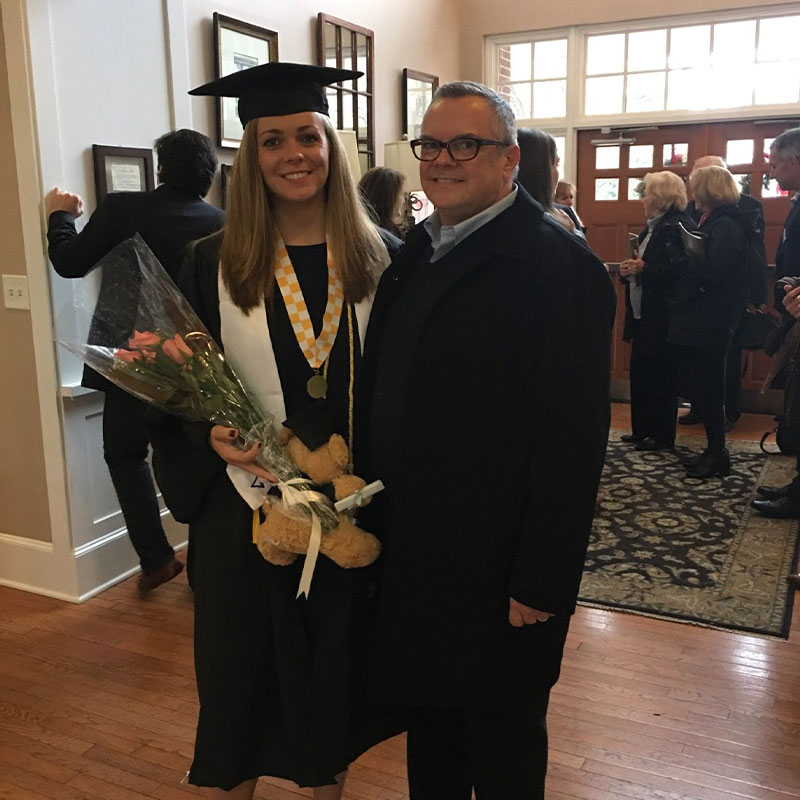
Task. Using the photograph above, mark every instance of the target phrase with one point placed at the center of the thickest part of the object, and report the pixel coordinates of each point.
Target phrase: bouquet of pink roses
(163, 354)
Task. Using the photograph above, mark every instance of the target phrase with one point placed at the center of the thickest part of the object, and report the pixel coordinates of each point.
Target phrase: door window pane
(743, 182)
(647, 50)
(605, 54)
(675, 155)
(519, 98)
(549, 99)
(777, 83)
(606, 157)
(604, 95)
(767, 146)
(739, 151)
(640, 156)
(778, 37)
(520, 57)
(772, 188)
(689, 46)
(645, 92)
(550, 59)
(606, 189)
(734, 42)
(333, 108)
(635, 188)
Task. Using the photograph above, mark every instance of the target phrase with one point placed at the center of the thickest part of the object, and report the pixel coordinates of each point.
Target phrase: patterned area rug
(687, 549)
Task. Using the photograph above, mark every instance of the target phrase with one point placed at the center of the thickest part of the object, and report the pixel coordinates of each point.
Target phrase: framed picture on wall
(237, 45)
(122, 169)
(418, 89)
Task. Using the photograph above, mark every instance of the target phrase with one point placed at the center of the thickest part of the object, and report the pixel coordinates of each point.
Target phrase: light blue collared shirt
(445, 237)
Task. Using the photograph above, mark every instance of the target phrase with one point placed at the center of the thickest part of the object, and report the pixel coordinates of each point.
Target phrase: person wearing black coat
(649, 278)
(706, 303)
(784, 162)
(167, 219)
(751, 216)
(488, 352)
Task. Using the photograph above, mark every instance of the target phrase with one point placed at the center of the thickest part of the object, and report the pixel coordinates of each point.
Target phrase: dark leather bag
(755, 330)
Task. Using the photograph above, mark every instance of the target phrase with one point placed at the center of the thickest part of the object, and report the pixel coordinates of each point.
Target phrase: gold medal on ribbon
(316, 350)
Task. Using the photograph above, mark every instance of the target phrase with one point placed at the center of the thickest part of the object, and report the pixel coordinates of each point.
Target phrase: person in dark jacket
(167, 219)
(751, 216)
(784, 162)
(488, 352)
(705, 305)
(649, 278)
(538, 174)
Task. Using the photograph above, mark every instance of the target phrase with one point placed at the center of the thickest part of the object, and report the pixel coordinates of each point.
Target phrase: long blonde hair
(249, 238)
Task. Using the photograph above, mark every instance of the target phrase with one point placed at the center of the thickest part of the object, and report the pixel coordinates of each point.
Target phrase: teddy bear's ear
(284, 434)
(337, 447)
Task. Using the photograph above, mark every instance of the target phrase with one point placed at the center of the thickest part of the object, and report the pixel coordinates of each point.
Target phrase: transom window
(748, 62)
(679, 68)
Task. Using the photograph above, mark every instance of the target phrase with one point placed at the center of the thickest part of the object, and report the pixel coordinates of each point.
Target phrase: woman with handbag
(648, 279)
(705, 306)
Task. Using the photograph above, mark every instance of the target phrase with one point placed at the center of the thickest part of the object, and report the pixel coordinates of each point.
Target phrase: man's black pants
(125, 449)
(501, 754)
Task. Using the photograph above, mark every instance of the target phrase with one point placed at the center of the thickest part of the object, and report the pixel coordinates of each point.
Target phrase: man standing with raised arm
(167, 218)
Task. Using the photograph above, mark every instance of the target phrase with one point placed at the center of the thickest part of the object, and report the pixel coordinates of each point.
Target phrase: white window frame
(577, 35)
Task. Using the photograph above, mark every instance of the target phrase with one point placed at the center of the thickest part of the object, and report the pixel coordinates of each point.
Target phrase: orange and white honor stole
(315, 349)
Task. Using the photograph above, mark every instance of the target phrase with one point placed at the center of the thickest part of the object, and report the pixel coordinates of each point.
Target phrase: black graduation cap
(277, 88)
(313, 425)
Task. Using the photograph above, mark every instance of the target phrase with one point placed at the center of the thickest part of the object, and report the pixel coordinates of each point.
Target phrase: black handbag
(754, 330)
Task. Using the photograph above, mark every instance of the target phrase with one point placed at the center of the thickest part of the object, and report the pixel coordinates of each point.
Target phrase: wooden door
(609, 207)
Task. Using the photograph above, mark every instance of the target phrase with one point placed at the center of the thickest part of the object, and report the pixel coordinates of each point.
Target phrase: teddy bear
(280, 538)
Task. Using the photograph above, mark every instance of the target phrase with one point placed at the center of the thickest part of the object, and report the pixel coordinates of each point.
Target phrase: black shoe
(781, 508)
(648, 443)
(152, 580)
(689, 419)
(772, 492)
(712, 466)
(631, 438)
(693, 461)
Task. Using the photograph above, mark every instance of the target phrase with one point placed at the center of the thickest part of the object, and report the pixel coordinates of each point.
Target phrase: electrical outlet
(15, 291)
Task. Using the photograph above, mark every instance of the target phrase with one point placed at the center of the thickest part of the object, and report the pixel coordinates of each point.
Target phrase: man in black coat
(488, 353)
(167, 219)
(784, 162)
(751, 217)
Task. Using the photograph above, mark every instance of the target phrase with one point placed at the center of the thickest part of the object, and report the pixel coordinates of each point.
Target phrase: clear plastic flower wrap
(142, 335)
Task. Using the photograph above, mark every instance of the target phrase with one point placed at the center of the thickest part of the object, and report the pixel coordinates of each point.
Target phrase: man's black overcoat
(166, 218)
(502, 434)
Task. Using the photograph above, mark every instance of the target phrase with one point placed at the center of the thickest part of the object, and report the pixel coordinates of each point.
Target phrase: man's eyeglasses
(462, 148)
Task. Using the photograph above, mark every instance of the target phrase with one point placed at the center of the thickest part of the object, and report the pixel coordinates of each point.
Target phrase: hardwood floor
(97, 702)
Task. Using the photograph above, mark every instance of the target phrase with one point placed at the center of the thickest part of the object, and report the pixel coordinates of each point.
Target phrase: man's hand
(519, 614)
(791, 302)
(57, 200)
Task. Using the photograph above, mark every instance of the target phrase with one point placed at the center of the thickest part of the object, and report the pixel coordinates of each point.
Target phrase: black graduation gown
(502, 419)
(276, 676)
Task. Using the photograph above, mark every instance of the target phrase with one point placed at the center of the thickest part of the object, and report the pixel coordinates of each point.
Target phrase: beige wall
(480, 19)
(23, 494)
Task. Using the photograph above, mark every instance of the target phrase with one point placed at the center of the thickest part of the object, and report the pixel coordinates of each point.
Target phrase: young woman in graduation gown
(276, 675)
